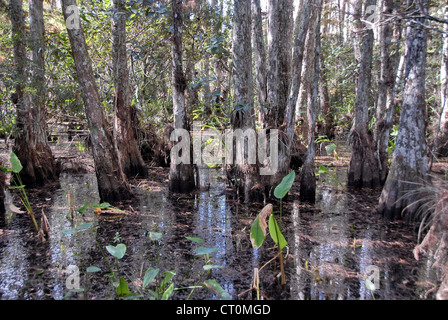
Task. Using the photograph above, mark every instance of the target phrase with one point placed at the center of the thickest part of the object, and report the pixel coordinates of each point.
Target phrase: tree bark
(31, 144)
(440, 144)
(2, 193)
(363, 168)
(129, 152)
(409, 167)
(287, 134)
(245, 175)
(260, 59)
(386, 88)
(182, 178)
(112, 182)
(308, 177)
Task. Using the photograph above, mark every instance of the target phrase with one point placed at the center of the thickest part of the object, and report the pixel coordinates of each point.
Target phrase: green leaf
(82, 227)
(211, 266)
(4, 169)
(167, 294)
(103, 205)
(154, 236)
(93, 269)
(216, 288)
(84, 207)
(203, 251)
(197, 240)
(15, 162)
(168, 276)
(150, 274)
(259, 226)
(283, 188)
(276, 234)
(123, 289)
(118, 251)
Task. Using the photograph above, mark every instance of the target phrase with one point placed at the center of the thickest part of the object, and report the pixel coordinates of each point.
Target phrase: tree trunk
(408, 170)
(363, 168)
(182, 178)
(245, 175)
(129, 152)
(308, 177)
(287, 133)
(2, 193)
(386, 88)
(112, 183)
(260, 59)
(440, 145)
(31, 145)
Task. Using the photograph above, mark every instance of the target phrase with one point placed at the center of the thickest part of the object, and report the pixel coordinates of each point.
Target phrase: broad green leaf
(150, 274)
(154, 236)
(123, 289)
(117, 251)
(167, 294)
(276, 234)
(15, 162)
(82, 227)
(93, 269)
(211, 266)
(197, 240)
(168, 276)
(283, 188)
(216, 288)
(202, 251)
(103, 205)
(84, 207)
(259, 226)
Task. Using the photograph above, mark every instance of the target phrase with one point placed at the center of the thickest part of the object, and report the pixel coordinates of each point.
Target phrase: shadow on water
(333, 246)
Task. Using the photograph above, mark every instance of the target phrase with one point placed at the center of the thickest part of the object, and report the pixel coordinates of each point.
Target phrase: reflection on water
(330, 247)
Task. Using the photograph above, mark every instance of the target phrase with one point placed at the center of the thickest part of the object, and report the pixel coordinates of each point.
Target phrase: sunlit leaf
(117, 251)
(203, 251)
(15, 162)
(216, 288)
(123, 289)
(93, 269)
(154, 236)
(283, 188)
(259, 226)
(167, 294)
(211, 266)
(197, 240)
(150, 275)
(84, 207)
(276, 234)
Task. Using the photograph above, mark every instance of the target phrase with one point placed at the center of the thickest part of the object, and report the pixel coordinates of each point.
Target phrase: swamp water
(333, 246)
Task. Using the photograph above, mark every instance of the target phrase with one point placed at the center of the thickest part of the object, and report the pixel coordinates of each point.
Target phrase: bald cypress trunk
(308, 177)
(440, 146)
(363, 168)
(409, 167)
(244, 175)
(31, 144)
(2, 193)
(260, 59)
(303, 22)
(130, 156)
(112, 182)
(182, 177)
